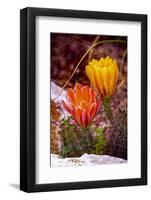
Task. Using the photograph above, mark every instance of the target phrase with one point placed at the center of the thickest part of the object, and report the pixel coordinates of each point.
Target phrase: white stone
(84, 160)
(55, 90)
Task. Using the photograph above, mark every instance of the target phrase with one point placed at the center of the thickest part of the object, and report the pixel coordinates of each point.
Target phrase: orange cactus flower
(82, 104)
(103, 75)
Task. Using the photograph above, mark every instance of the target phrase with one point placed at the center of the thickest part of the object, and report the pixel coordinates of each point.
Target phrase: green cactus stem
(107, 108)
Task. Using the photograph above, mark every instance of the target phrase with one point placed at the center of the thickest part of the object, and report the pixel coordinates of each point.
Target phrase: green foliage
(100, 141)
(65, 151)
(77, 141)
(107, 108)
(117, 145)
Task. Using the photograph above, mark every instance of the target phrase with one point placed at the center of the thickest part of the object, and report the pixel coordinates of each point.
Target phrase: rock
(100, 159)
(55, 91)
(84, 160)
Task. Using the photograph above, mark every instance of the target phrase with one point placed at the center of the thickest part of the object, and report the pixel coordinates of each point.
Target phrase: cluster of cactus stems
(77, 141)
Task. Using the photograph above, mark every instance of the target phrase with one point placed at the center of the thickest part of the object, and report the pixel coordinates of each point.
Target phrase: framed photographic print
(83, 99)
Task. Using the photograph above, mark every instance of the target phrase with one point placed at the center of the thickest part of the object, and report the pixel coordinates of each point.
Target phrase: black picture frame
(28, 99)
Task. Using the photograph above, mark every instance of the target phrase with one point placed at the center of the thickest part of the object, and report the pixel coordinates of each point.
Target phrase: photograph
(88, 99)
(83, 119)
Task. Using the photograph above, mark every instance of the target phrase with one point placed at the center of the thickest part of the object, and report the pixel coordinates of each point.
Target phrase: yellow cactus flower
(103, 75)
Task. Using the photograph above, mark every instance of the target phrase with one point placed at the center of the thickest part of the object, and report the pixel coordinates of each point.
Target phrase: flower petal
(71, 96)
(83, 104)
(99, 80)
(104, 75)
(67, 107)
(93, 110)
(90, 73)
(85, 93)
(77, 114)
(111, 74)
(84, 118)
(77, 89)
